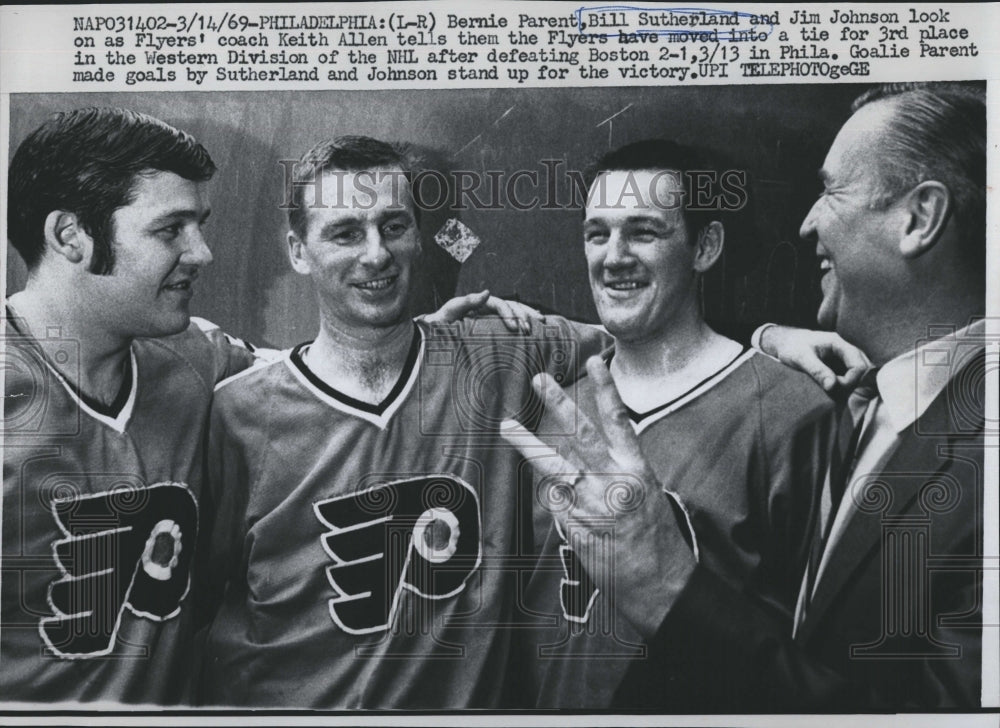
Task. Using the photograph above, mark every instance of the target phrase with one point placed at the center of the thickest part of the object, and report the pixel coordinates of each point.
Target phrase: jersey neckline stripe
(379, 414)
(642, 420)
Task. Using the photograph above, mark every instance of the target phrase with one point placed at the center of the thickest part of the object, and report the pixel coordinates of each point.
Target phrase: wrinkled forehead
(859, 143)
(617, 193)
(380, 188)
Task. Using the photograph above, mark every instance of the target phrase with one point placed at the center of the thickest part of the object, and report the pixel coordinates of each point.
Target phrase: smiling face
(856, 240)
(360, 249)
(640, 256)
(158, 252)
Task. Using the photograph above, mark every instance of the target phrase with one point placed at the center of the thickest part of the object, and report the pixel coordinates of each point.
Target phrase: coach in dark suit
(890, 605)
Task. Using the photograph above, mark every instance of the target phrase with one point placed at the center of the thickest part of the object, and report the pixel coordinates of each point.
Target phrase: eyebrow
(392, 214)
(181, 214)
(632, 219)
(335, 225)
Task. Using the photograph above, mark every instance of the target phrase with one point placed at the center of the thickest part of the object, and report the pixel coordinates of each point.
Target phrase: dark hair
(86, 162)
(660, 155)
(937, 132)
(346, 154)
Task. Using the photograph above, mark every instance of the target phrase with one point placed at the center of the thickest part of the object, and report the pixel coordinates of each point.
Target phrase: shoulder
(788, 402)
(786, 387)
(189, 351)
(205, 347)
(196, 345)
(245, 394)
(253, 380)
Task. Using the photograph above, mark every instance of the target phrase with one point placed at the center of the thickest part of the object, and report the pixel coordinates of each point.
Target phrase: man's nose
(807, 230)
(618, 251)
(197, 252)
(375, 254)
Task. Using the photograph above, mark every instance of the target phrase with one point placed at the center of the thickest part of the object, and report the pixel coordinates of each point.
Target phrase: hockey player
(108, 383)
(730, 430)
(370, 528)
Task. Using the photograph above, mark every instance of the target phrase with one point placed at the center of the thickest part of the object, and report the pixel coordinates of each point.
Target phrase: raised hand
(612, 509)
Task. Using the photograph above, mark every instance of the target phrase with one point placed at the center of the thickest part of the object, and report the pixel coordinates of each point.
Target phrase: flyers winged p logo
(126, 548)
(420, 534)
(576, 590)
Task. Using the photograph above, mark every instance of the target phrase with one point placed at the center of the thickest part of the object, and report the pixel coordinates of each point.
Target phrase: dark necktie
(851, 419)
(842, 460)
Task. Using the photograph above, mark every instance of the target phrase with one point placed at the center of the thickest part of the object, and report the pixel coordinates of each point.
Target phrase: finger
(471, 302)
(531, 313)
(525, 314)
(850, 379)
(811, 363)
(582, 441)
(458, 308)
(544, 459)
(502, 309)
(613, 415)
(852, 356)
(556, 477)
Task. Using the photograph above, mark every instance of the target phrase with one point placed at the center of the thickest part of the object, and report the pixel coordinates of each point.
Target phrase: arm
(820, 354)
(224, 503)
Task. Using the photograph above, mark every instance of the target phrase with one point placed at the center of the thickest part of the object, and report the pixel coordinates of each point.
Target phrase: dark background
(778, 134)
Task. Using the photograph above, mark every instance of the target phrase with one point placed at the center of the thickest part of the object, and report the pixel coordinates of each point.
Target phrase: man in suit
(890, 608)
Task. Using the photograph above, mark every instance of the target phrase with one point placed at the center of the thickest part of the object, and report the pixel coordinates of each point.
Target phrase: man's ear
(709, 246)
(297, 254)
(65, 236)
(928, 208)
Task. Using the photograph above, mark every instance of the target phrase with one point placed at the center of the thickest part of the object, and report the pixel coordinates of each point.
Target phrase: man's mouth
(625, 284)
(378, 284)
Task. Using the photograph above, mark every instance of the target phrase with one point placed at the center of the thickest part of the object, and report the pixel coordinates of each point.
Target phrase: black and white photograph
(666, 401)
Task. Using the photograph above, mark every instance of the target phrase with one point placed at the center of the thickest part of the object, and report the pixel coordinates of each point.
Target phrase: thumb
(457, 308)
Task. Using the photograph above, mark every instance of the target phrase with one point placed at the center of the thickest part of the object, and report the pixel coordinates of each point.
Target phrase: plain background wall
(778, 134)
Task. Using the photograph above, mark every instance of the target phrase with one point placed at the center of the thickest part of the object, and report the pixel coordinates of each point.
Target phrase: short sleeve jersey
(101, 509)
(742, 451)
(369, 553)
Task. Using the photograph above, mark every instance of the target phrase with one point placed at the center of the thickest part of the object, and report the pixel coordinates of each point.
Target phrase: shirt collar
(909, 383)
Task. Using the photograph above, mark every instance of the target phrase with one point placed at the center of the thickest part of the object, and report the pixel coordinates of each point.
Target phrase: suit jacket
(895, 620)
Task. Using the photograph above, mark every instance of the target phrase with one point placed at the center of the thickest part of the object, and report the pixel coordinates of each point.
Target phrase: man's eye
(645, 235)
(345, 237)
(595, 237)
(395, 229)
(170, 231)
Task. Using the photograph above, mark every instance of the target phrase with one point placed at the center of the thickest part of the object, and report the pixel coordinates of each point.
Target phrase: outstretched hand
(820, 354)
(516, 316)
(607, 490)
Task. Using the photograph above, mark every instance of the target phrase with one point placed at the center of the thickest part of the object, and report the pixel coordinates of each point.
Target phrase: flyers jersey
(369, 552)
(741, 450)
(101, 509)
